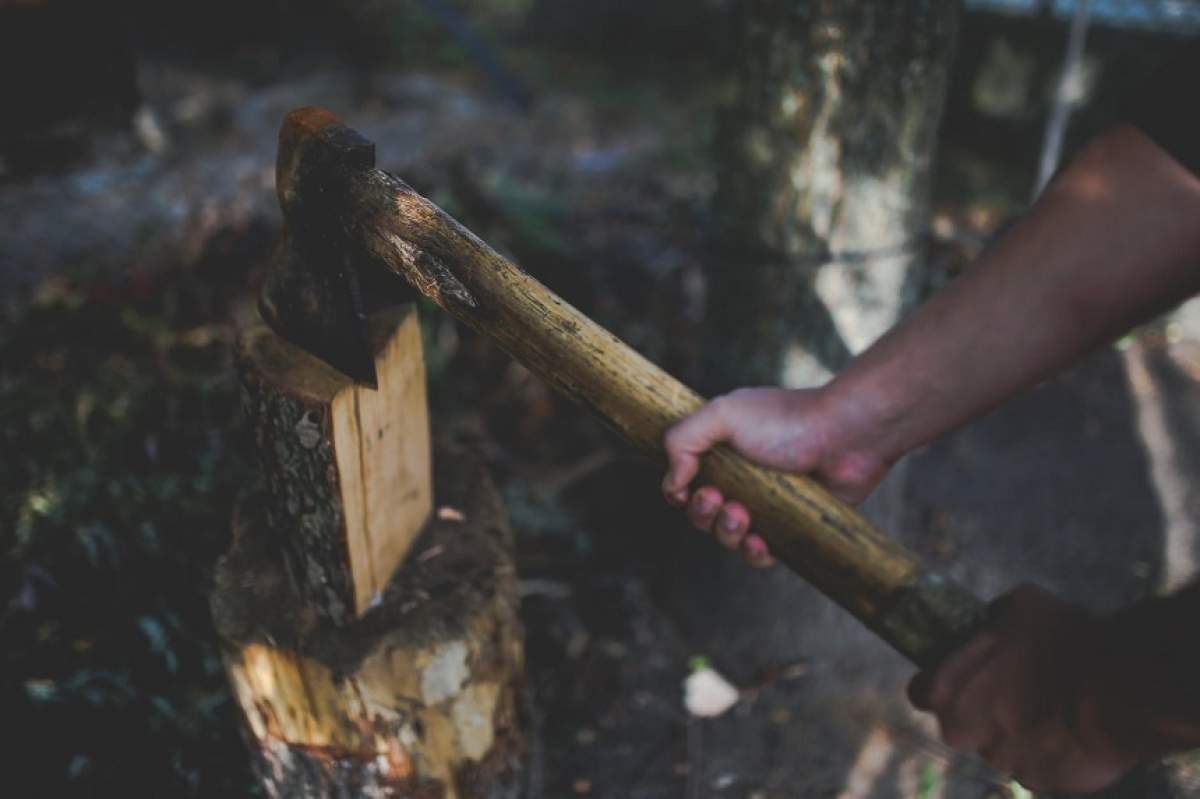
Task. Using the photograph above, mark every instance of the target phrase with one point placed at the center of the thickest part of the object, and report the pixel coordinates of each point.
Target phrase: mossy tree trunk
(824, 153)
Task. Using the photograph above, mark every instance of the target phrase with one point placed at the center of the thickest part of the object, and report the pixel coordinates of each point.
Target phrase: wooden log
(346, 467)
(420, 697)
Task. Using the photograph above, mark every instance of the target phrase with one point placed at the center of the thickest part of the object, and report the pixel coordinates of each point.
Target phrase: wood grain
(419, 698)
(347, 467)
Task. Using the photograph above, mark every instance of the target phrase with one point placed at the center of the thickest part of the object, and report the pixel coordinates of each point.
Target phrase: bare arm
(1064, 700)
(1113, 241)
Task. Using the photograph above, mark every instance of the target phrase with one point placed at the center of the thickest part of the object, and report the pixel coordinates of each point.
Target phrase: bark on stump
(362, 669)
(346, 468)
(823, 154)
(420, 697)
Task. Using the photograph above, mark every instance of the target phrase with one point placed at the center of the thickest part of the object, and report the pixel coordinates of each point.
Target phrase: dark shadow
(605, 664)
(1052, 488)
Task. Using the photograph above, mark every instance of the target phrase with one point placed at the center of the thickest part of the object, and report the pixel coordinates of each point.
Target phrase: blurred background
(745, 192)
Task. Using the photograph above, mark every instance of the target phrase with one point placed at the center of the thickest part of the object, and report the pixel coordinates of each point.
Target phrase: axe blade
(314, 291)
(322, 311)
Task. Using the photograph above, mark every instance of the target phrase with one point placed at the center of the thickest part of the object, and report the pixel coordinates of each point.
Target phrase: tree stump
(360, 669)
(418, 698)
(346, 467)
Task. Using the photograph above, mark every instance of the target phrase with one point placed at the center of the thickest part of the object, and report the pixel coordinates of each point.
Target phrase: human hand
(800, 431)
(1020, 694)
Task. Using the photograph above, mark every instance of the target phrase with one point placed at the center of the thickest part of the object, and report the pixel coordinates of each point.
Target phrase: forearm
(1113, 241)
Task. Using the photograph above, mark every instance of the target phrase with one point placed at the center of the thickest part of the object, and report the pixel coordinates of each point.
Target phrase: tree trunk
(824, 156)
(824, 152)
(420, 697)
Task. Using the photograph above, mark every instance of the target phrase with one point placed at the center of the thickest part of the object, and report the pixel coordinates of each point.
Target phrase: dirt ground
(1085, 485)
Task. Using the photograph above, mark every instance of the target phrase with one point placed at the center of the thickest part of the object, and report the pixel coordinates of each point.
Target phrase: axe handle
(918, 612)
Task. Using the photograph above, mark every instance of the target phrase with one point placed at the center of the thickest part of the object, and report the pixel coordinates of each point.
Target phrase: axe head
(321, 284)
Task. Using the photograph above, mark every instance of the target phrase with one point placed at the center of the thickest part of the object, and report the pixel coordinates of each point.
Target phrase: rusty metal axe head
(322, 284)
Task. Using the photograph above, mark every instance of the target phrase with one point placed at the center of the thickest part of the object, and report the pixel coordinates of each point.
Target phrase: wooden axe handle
(920, 613)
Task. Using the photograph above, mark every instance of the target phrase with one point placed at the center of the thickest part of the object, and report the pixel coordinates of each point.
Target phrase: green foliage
(1019, 791)
(117, 406)
(928, 780)
(407, 33)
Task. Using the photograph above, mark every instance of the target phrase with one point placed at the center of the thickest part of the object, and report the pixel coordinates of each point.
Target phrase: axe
(352, 231)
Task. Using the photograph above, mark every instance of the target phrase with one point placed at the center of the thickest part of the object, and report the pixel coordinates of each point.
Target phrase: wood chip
(431, 553)
(449, 514)
(707, 694)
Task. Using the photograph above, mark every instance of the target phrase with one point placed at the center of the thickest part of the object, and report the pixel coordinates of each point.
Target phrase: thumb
(686, 441)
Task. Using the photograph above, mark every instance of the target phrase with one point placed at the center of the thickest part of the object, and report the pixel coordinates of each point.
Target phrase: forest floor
(124, 279)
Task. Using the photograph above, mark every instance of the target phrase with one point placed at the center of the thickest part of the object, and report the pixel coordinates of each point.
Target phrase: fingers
(674, 496)
(732, 525)
(706, 508)
(755, 551)
(940, 690)
(968, 728)
(703, 508)
(729, 522)
(685, 442)
(950, 677)
(1009, 695)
